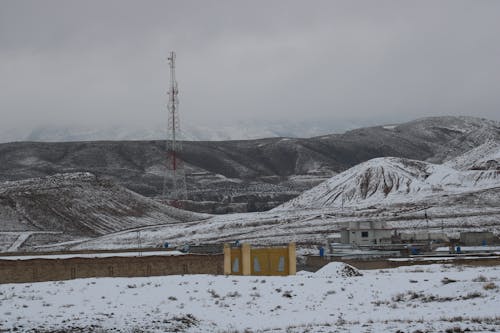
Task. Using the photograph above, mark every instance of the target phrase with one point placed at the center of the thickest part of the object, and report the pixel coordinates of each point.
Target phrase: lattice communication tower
(174, 183)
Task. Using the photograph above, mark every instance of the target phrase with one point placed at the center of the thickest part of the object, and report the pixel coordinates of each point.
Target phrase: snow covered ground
(433, 298)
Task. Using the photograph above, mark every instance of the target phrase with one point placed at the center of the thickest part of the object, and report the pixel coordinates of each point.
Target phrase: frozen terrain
(434, 298)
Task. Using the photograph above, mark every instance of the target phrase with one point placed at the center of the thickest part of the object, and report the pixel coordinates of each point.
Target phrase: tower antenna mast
(174, 183)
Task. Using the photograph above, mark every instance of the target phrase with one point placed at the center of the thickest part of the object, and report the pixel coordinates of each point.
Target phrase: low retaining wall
(36, 270)
(313, 263)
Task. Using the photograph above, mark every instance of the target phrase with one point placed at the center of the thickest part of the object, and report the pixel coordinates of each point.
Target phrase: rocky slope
(483, 157)
(78, 205)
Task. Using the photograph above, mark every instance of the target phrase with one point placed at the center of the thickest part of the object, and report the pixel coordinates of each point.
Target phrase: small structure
(424, 236)
(244, 260)
(366, 233)
(476, 238)
(339, 252)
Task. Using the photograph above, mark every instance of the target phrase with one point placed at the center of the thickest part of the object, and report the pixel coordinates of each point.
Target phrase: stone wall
(36, 270)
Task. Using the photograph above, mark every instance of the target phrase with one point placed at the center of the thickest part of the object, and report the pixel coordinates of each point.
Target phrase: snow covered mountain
(452, 136)
(391, 180)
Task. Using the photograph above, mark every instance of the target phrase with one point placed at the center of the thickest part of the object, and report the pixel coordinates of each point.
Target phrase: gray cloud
(104, 62)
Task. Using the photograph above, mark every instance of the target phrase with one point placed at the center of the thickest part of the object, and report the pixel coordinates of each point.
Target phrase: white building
(366, 233)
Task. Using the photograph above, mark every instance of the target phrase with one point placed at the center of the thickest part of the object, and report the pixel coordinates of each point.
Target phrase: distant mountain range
(244, 130)
(248, 175)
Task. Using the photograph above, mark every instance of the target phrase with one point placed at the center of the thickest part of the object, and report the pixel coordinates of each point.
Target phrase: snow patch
(338, 270)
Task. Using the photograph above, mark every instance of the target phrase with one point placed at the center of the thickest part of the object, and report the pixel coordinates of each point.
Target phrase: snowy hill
(451, 136)
(483, 157)
(391, 180)
(79, 205)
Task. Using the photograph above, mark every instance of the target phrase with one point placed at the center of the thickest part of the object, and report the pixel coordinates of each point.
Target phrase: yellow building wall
(272, 261)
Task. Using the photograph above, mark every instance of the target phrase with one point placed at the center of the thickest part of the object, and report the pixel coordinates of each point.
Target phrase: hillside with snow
(483, 157)
(409, 195)
(391, 180)
(77, 206)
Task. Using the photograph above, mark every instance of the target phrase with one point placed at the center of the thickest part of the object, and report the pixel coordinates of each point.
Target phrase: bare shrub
(233, 294)
(398, 297)
(447, 280)
(379, 302)
(474, 294)
(489, 286)
(213, 293)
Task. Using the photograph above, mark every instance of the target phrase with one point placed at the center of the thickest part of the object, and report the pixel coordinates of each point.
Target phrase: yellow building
(246, 260)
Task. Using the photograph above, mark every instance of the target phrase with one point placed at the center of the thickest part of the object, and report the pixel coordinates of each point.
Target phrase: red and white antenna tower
(174, 182)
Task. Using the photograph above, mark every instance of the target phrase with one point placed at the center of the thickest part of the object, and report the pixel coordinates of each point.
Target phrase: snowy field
(433, 298)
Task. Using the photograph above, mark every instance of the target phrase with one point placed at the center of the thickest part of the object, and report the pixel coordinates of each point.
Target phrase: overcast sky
(104, 62)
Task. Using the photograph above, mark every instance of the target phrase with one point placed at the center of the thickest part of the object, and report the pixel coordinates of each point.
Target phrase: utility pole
(428, 229)
(174, 182)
